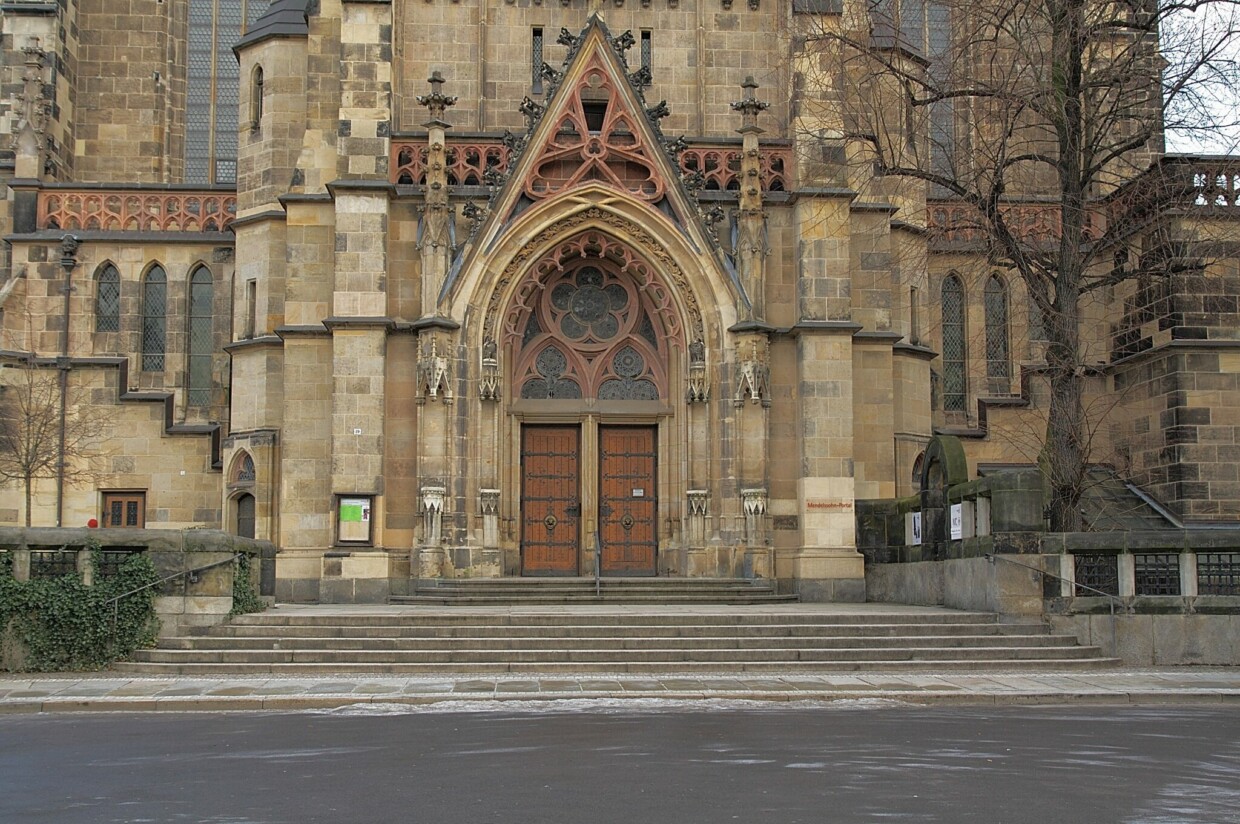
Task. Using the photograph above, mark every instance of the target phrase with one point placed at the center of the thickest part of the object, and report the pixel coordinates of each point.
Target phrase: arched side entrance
(590, 336)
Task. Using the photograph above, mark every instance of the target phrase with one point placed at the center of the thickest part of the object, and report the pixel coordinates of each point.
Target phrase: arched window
(592, 335)
(953, 345)
(998, 362)
(256, 98)
(154, 319)
(201, 296)
(108, 299)
(243, 470)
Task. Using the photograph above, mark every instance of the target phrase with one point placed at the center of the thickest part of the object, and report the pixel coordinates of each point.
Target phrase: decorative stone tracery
(582, 326)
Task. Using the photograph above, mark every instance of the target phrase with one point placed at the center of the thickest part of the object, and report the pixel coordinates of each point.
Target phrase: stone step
(509, 643)
(617, 656)
(722, 668)
(706, 631)
(635, 597)
(748, 618)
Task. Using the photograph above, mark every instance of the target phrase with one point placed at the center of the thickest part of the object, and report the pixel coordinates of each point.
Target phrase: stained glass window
(212, 87)
(953, 345)
(998, 362)
(154, 319)
(108, 300)
(201, 296)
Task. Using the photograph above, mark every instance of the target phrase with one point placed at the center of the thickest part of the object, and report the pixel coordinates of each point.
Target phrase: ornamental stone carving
(488, 379)
(698, 384)
(753, 502)
(753, 377)
(434, 374)
(488, 502)
(432, 514)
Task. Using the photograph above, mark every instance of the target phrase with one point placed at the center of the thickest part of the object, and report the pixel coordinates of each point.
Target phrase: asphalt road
(709, 762)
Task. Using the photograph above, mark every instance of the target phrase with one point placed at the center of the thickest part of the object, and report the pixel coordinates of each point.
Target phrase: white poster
(916, 529)
(957, 522)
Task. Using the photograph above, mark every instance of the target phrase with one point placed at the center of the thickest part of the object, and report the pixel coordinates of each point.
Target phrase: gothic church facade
(497, 288)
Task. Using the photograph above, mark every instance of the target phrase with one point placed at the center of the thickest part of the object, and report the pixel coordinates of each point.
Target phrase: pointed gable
(595, 134)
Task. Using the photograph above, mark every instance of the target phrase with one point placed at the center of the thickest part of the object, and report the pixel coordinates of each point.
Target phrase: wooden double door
(562, 511)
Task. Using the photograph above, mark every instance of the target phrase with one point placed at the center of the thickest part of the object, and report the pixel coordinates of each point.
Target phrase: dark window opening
(536, 59)
(595, 112)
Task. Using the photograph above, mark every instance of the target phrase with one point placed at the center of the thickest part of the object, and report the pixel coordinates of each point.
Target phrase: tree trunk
(29, 481)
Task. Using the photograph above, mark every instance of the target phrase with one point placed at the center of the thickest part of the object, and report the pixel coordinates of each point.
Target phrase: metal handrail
(1111, 599)
(116, 602)
(598, 566)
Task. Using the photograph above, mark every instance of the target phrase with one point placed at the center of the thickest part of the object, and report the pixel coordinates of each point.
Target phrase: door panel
(628, 509)
(550, 499)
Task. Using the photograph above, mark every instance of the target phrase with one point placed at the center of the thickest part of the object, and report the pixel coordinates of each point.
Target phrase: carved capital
(699, 502)
(753, 501)
(488, 501)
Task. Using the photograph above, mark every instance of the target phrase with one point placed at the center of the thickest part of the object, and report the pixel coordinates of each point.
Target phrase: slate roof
(283, 18)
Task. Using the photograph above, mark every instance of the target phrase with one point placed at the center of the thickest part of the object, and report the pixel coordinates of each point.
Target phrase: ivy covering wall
(60, 624)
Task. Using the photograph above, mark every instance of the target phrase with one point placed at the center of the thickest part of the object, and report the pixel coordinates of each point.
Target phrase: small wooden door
(124, 509)
(550, 500)
(628, 508)
(245, 516)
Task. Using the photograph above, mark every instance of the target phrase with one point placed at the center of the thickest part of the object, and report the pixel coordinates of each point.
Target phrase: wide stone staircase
(637, 640)
(549, 591)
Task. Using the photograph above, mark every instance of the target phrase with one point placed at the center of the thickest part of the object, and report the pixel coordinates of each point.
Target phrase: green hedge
(60, 624)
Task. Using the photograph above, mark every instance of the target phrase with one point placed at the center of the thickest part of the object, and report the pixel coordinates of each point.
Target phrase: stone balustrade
(471, 159)
(135, 210)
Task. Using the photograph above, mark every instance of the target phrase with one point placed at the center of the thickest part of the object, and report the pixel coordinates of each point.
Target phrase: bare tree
(30, 429)
(1042, 122)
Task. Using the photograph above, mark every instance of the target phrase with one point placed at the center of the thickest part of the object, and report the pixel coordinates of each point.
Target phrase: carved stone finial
(436, 102)
(624, 42)
(749, 106)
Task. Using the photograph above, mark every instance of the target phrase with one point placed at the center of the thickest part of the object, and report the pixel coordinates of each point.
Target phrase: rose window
(589, 333)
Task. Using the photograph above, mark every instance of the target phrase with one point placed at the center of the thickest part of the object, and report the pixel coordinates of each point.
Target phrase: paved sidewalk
(106, 692)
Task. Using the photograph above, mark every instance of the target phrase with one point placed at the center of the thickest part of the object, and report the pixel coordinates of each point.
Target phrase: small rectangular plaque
(639, 493)
(787, 522)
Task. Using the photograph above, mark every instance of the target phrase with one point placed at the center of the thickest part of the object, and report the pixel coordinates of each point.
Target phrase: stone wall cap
(366, 322)
(826, 191)
(257, 217)
(913, 228)
(305, 197)
(825, 327)
(364, 185)
(433, 322)
(253, 343)
(873, 206)
(916, 350)
(301, 330)
(879, 337)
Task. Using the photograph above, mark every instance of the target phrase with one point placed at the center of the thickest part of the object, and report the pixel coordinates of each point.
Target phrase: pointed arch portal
(590, 334)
